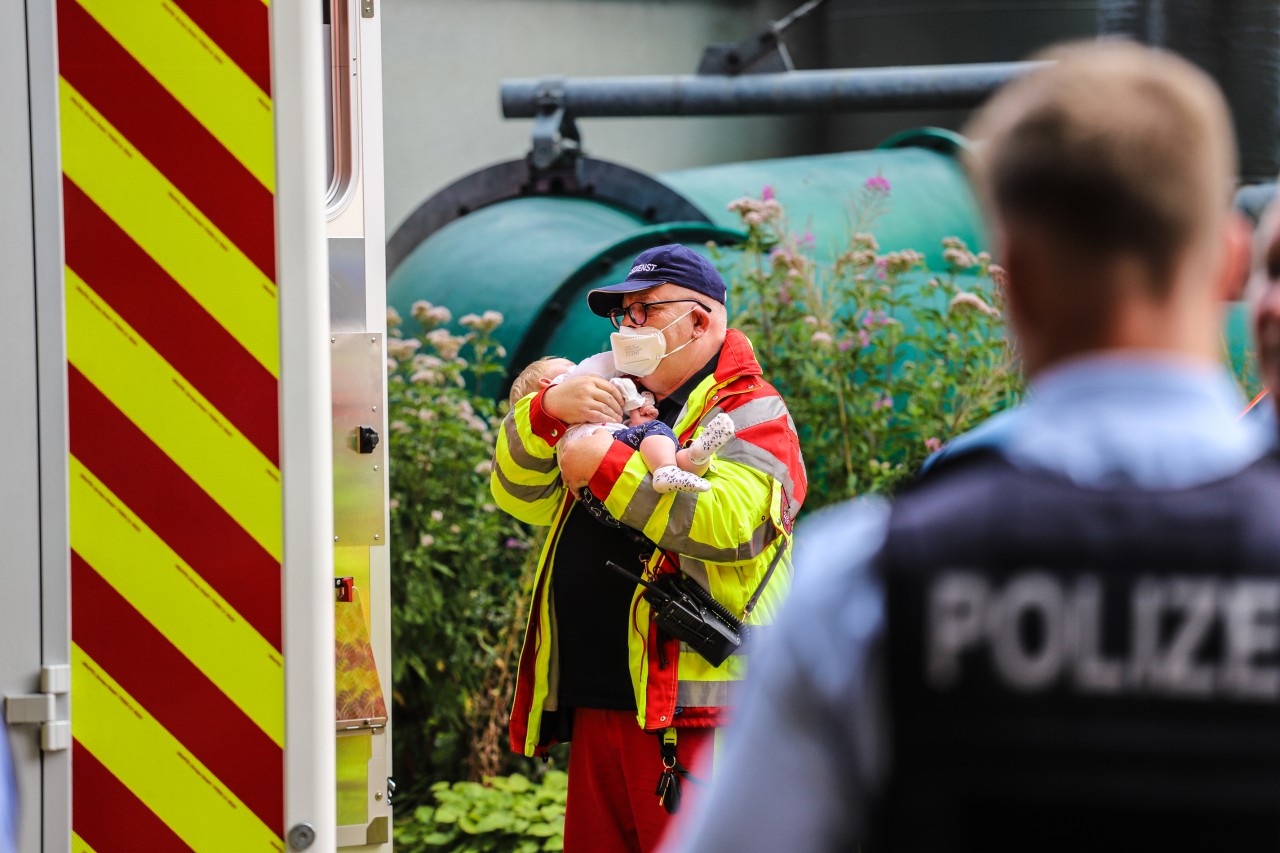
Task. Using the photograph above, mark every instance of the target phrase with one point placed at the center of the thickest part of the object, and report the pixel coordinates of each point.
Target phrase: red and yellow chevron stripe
(173, 365)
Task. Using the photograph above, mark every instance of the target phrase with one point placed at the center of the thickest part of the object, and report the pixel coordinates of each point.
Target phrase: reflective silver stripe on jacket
(520, 456)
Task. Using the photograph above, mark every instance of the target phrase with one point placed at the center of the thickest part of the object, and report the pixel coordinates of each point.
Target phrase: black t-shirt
(592, 602)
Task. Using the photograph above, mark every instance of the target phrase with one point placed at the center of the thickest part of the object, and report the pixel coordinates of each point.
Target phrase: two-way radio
(710, 631)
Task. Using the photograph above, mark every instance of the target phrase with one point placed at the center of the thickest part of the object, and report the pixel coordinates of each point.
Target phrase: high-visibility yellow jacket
(725, 538)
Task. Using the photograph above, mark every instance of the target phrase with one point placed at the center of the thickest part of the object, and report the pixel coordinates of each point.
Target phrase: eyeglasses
(638, 312)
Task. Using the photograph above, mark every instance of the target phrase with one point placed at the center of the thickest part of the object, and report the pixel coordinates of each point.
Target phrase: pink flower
(864, 338)
(808, 239)
(767, 192)
(933, 445)
(877, 183)
(845, 344)
(821, 338)
(964, 299)
(959, 258)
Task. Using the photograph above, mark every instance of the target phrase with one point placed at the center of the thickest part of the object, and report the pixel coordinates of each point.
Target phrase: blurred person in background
(1066, 637)
(1263, 295)
(8, 798)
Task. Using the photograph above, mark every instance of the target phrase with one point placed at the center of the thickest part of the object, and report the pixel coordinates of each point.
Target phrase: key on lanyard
(669, 783)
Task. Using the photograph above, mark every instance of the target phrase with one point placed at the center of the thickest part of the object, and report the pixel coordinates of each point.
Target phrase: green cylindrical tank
(929, 196)
(535, 258)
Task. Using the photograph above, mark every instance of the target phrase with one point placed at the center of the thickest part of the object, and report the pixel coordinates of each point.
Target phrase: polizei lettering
(1176, 636)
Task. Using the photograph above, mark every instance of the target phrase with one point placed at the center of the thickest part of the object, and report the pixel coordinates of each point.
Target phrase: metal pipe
(903, 88)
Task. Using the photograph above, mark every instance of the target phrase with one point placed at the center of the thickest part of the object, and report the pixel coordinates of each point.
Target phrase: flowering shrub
(880, 360)
(457, 561)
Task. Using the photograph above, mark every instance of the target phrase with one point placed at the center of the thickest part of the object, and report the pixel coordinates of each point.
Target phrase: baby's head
(538, 375)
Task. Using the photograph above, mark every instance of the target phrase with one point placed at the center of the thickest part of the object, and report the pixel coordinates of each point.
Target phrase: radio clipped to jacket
(687, 612)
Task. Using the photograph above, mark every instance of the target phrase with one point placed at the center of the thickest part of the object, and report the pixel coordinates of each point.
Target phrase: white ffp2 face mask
(639, 351)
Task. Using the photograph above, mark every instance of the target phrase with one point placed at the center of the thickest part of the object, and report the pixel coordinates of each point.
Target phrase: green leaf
(495, 822)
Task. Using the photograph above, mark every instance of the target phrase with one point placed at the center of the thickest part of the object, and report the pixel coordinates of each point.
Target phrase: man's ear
(1025, 309)
(544, 382)
(1237, 238)
(701, 322)
(1014, 259)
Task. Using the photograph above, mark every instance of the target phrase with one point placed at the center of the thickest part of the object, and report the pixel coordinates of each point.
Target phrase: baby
(674, 469)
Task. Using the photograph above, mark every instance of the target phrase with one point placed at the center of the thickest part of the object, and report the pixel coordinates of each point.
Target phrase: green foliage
(505, 815)
(457, 561)
(880, 362)
(1238, 354)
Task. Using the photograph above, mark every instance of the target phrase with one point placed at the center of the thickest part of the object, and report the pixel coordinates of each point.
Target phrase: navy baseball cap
(672, 263)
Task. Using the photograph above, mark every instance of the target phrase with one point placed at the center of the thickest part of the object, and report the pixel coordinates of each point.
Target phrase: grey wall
(866, 33)
(443, 62)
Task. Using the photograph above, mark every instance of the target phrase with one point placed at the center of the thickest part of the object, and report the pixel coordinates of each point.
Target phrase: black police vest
(1079, 669)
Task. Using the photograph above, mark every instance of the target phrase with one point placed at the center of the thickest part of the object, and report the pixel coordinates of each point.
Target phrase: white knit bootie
(669, 478)
(714, 437)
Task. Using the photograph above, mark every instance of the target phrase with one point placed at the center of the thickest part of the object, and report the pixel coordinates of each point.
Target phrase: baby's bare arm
(580, 458)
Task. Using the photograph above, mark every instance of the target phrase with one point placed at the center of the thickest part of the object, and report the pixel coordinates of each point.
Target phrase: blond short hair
(1113, 149)
(527, 381)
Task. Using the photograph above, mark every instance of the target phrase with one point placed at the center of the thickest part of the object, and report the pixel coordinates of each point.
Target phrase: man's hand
(584, 400)
(580, 458)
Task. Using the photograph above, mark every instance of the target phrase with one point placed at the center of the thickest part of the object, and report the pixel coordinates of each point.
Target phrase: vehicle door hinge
(42, 708)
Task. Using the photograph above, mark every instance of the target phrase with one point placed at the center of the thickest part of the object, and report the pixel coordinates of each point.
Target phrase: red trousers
(614, 767)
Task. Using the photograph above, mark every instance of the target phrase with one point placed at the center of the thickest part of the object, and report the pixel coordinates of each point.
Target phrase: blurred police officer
(1067, 638)
(8, 797)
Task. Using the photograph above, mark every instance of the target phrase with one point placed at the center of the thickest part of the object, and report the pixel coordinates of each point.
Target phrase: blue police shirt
(8, 798)
(805, 749)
